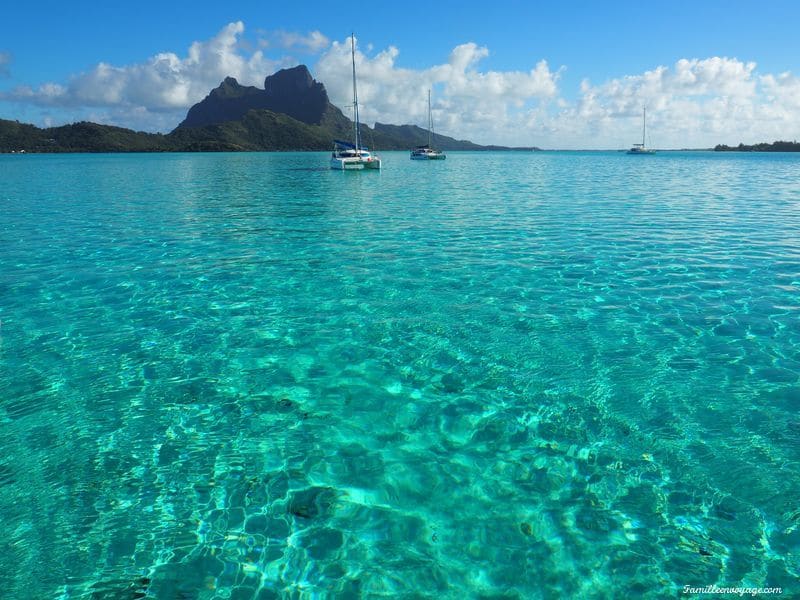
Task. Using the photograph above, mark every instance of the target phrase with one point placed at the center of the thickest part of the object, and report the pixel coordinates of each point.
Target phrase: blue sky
(567, 74)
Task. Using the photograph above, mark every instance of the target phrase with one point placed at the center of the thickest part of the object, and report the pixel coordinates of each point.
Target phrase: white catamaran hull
(640, 151)
(355, 163)
(346, 164)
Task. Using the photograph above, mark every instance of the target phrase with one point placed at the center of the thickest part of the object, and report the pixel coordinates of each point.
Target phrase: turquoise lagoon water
(509, 375)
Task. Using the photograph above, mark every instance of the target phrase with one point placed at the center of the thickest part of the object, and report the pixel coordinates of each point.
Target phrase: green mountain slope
(78, 137)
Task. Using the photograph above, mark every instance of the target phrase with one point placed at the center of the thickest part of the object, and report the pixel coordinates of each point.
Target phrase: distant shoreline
(201, 150)
(778, 146)
(93, 138)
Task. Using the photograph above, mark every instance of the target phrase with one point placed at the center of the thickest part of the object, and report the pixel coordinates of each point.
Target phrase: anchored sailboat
(348, 156)
(428, 152)
(641, 148)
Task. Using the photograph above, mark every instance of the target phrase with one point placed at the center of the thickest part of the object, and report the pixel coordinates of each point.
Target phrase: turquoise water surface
(505, 375)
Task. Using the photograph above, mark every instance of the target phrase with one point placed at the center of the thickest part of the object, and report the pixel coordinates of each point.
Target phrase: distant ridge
(409, 136)
(292, 112)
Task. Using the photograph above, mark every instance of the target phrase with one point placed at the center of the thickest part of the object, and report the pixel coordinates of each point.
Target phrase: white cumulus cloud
(309, 43)
(468, 102)
(694, 103)
(165, 82)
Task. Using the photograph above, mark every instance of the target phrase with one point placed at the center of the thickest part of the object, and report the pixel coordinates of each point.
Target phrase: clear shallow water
(506, 375)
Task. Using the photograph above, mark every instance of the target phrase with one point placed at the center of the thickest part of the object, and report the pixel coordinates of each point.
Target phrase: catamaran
(640, 148)
(428, 152)
(348, 156)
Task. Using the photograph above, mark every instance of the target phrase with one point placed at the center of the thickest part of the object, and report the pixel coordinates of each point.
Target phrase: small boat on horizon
(348, 156)
(641, 148)
(428, 152)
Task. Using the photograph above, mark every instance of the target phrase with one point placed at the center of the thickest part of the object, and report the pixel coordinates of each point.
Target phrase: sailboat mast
(644, 123)
(430, 119)
(355, 91)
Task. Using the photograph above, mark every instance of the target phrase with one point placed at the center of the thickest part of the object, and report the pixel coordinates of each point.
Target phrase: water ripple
(529, 374)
